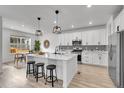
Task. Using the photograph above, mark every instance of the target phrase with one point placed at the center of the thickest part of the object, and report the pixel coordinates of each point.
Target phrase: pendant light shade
(38, 31)
(56, 29)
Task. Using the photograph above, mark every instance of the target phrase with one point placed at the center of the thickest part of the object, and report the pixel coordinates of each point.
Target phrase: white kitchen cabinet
(83, 37)
(99, 58)
(95, 58)
(103, 37)
(89, 37)
(86, 57)
(110, 26)
(95, 37)
(61, 39)
(104, 59)
(76, 35)
(117, 23)
(66, 39)
(121, 16)
(90, 57)
(70, 35)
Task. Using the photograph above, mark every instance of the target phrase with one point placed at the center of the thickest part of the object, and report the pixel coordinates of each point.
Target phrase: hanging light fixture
(38, 31)
(57, 29)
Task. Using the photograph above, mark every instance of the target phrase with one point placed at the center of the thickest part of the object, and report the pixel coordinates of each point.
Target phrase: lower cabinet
(95, 58)
(104, 59)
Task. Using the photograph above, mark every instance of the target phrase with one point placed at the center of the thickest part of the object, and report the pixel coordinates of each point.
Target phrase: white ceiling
(14, 16)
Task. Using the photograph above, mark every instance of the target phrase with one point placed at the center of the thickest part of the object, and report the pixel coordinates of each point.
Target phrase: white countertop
(54, 56)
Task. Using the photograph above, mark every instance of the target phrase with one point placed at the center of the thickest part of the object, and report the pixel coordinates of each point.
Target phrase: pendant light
(38, 31)
(57, 29)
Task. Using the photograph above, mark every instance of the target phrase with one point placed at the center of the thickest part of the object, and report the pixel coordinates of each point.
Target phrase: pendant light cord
(38, 23)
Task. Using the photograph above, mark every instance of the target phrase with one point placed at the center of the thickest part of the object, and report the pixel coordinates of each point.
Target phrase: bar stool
(52, 78)
(38, 72)
(29, 69)
(19, 57)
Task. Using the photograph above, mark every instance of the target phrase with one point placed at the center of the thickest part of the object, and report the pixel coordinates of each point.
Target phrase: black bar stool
(51, 78)
(39, 71)
(29, 69)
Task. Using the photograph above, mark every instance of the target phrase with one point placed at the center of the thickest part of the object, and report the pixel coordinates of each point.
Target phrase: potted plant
(37, 45)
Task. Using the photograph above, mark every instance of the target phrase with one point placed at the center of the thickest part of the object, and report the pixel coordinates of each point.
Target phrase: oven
(79, 55)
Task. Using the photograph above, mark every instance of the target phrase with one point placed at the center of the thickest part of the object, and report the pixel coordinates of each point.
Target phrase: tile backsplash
(84, 47)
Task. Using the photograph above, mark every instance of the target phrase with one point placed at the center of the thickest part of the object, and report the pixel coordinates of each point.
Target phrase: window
(19, 42)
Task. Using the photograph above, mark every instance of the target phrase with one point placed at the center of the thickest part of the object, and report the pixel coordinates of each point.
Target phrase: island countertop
(66, 64)
(64, 57)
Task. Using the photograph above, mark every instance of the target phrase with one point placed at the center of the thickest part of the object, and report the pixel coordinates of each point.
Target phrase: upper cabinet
(76, 36)
(84, 37)
(110, 26)
(92, 37)
(119, 22)
(121, 16)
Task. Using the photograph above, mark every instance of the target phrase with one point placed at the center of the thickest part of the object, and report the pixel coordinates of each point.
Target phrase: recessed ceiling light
(88, 6)
(90, 23)
(72, 26)
(54, 22)
(23, 25)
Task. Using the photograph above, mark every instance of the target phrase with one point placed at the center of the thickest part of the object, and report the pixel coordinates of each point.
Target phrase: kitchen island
(66, 64)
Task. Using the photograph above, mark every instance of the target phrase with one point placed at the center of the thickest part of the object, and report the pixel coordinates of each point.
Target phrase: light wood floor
(90, 77)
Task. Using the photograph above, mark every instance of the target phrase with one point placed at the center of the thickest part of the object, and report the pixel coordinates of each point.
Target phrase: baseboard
(94, 65)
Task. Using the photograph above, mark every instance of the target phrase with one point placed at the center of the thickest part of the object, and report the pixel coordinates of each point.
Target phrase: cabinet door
(76, 35)
(83, 57)
(104, 59)
(86, 33)
(89, 37)
(84, 37)
(90, 57)
(86, 58)
(70, 38)
(65, 39)
(62, 42)
(95, 37)
(95, 58)
(102, 37)
(116, 23)
(60, 38)
(122, 20)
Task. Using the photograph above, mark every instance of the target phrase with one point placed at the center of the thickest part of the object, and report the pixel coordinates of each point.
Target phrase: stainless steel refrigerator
(116, 58)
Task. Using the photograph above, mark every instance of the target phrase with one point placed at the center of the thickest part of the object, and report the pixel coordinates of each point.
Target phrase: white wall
(7, 56)
(0, 43)
(53, 39)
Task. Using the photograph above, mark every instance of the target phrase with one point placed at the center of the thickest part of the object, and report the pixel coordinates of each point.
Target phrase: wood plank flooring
(90, 77)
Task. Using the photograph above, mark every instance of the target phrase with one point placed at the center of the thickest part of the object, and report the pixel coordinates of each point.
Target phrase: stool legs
(37, 73)
(43, 72)
(46, 77)
(28, 71)
(56, 75)
(51, 77)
